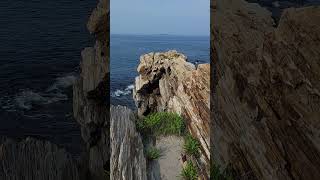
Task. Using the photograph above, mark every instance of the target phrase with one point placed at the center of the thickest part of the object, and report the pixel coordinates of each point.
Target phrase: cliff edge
(91, 94)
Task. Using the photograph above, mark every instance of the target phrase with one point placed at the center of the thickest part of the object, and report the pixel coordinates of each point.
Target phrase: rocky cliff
(32, 159)
(168, 82)
(265, 115)
(91, 94)
(127, 159)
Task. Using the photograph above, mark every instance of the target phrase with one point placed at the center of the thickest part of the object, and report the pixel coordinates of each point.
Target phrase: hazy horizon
(154, 17)
(164, 34)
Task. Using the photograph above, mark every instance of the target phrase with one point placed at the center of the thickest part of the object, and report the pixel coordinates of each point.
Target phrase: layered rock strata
(32, 159)
(90, 94)
(127, 159)
(265, 115)
(168, 82)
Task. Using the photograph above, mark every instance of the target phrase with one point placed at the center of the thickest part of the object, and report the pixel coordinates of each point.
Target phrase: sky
(175, 17)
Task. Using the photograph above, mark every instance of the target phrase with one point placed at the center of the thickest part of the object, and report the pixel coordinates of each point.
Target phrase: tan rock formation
(127, 159)
(167, 82)
(90, 94)
(267, 104)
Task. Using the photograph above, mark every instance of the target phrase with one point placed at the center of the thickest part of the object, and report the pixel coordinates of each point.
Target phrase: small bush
(189, 172)
(153, 153)
(191, 146)
(162, 123)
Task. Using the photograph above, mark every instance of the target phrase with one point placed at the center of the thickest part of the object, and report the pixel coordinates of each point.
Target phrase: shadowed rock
(266, 109)
(32, 159)
(91, 94)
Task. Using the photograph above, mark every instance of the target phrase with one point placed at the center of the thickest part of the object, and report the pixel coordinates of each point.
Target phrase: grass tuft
(191, 146)
(153, 153)
(189, 172)
(162, 123)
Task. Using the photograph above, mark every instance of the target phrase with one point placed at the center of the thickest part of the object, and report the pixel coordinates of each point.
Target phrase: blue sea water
(40, 46)
(126, 50)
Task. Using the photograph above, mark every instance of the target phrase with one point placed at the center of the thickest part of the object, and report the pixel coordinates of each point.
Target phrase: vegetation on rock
(189, 172)
(162, 123)
(191, 146)
(153, 153)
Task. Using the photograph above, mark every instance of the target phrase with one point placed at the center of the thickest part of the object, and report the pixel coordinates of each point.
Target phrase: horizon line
(164, 34)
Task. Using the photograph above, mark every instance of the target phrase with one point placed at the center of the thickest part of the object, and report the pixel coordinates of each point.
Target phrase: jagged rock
(32, 159)
(167, 82)
(91, 94)
(98, 23)
(127, 158)
(266, 109)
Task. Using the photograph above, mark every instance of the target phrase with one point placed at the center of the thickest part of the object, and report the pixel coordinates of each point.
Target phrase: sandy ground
(168, 166)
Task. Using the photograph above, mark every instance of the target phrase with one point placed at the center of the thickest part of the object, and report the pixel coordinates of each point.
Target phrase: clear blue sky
(178, 17)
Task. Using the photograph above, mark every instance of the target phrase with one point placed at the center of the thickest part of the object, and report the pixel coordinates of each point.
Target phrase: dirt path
(168, 166)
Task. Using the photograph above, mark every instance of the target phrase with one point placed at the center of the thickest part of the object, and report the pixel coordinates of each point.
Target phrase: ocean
(125, 51)
(40, 48)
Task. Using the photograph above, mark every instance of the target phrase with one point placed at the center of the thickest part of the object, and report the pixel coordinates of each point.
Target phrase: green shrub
(191, 146)
(162, 123)
(153, 153)
(189, 172)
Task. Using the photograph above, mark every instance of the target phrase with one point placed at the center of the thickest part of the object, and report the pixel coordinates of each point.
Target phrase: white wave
(63, 82)
(27, 98)
(276, 4)
(124, 92)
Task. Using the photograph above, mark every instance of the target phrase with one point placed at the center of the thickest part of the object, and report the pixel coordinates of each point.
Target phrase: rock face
(167, 82)
(91, 94)
(265, 115)
(35, 159)
(127, 158)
